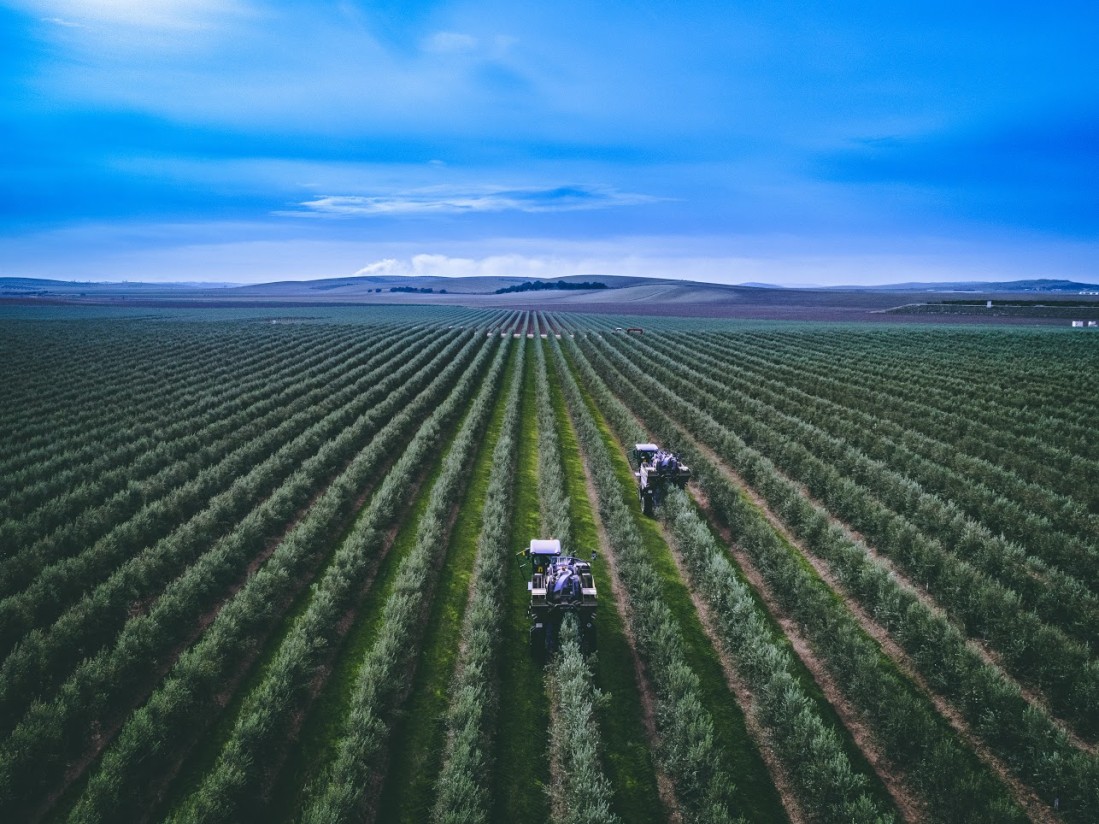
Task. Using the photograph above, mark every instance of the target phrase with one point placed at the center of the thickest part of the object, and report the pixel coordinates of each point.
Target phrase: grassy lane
(419, 738)
(756, 794)
(627, 757)
(463, 789)
(208, 760)
(325, 722)
(354, 777)
(522, 760)
(203, 759)
(579, 788)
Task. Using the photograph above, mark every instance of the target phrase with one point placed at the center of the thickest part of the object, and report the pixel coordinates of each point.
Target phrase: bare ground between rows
(744, 695)
(1023, 795)
(976, 645)
(911, 808)
(377, 780)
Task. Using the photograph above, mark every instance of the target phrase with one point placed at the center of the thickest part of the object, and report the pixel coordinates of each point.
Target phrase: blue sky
(793, 143)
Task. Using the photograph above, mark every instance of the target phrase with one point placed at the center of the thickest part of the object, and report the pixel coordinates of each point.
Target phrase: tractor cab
(656, 468)
(559, 584)
(644, 453)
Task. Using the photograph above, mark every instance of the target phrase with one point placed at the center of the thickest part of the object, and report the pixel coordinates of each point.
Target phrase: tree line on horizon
(540, 285)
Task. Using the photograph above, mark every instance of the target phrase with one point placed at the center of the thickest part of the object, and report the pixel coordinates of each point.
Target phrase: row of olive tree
(104, 687)
(857, 490)
(51, 493)
(970, 504)
(48, 654)
(1033, 515)
(687, 752)
(60, 583)
(259, 734)
(345, 789)
(150, 390)
(904, 722)
(579, 790)
(1026, 387)
(1006, 435)
(463, 791)
(828, 787)
(46, 416)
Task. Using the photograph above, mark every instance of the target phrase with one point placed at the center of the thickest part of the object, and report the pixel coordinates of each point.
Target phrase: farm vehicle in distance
(559, 585)
(656, 469)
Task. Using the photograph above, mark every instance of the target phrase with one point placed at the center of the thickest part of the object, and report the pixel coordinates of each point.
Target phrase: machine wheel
(647, 505)
(587, 642)
(538, 643)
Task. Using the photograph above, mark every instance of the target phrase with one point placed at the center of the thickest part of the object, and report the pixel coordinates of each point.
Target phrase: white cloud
(447, 200)
(449, 266)
(388, 266)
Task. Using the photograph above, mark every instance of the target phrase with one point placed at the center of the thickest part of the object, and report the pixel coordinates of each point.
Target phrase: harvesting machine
(559, 584)
(656, 469)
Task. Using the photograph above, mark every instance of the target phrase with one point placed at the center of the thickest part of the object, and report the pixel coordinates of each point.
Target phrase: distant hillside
(366, 284)
(30, 286)
(1015, 286)
(37, 285)
(636, 296)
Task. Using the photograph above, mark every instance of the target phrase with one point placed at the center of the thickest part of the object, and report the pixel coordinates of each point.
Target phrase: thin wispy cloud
(278, 135)
(459, 201)
(167, 15)
(450, 42)
(59, 21)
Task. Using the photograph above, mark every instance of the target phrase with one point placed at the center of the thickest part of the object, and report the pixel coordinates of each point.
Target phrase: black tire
(588, 639)
(538, 643)
(647, 505)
